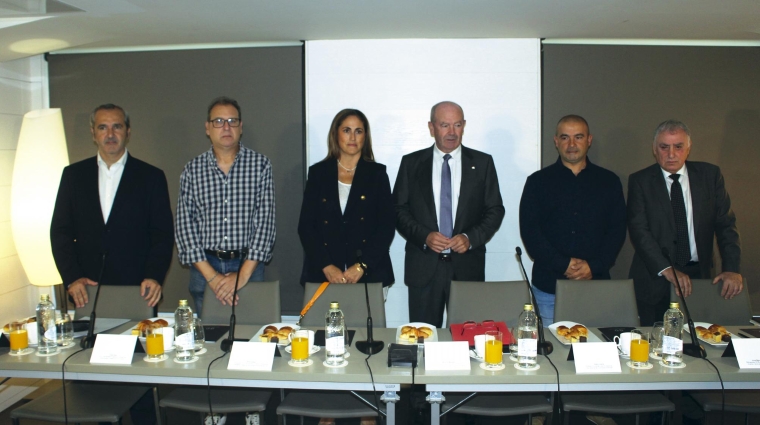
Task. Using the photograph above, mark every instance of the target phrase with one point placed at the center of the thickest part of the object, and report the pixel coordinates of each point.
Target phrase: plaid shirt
(229, 212)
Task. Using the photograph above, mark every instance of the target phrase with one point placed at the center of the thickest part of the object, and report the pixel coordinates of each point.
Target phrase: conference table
(697, 375)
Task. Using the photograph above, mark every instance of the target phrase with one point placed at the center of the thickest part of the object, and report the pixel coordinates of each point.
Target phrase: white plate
(706, 325)
(314, 349)
(278, 326)
(433, 338)
(553, 329)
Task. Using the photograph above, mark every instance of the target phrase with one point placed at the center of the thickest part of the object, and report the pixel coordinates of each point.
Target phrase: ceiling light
(38, 45)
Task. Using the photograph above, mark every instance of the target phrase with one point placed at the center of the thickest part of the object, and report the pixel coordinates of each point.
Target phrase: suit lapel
(91, 186)
(697, 196)
(658, 187)
(357, 188)
(119, 201)
(425, 182)
(466, 187)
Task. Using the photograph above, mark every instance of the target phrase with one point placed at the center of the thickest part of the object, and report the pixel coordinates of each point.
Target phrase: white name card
(596, 357)
(747, 352)
(252, 356)
(447, 355)
(113, 349)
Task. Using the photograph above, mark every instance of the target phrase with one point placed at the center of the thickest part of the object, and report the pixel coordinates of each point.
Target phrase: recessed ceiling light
(38, 45)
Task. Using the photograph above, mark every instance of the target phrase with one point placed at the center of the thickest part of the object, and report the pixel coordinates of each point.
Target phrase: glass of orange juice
(640, 349)
(154, 343)
(19, 338)
(494, 346)
(299, 347)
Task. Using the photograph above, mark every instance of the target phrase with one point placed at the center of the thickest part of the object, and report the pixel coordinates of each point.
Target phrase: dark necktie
(683, 250)
(447, 224)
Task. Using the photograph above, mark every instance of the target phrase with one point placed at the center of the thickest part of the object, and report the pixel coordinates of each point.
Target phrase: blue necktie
(446, 221)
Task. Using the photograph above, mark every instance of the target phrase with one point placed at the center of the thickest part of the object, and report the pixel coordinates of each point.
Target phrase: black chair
(260, 302)
(91, 401)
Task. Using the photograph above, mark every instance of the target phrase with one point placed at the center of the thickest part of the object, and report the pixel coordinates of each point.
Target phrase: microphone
(544, 347)
(226, 344)
(369, 346)
(694, 349)
(89, 340)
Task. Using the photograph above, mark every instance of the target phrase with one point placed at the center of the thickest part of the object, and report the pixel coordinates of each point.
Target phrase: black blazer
(139, 235)
(331, 237)
(479, 214)
(651, 226)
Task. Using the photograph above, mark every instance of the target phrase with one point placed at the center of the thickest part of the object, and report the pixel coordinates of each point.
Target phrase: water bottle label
(527, 347)
(671, 345)
(50, 333)
(186, 341)
(335, 345)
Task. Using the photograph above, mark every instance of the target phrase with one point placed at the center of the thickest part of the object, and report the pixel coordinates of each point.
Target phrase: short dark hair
(333, 148)
(108, 107)
(573, 118)
(223, 100)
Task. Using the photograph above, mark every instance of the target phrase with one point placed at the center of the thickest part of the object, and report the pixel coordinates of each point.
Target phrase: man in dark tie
(448, 204)
(681, 206)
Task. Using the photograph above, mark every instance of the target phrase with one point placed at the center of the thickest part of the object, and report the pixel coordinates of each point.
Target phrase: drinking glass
(19, 337)
(64, 331)
(640, 349)
(513, 345)
(199, 333)
(299, 347)
(655, 339)
(154, 342)
(493, 348)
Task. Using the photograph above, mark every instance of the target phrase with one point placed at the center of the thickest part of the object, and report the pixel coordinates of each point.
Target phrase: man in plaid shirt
(226, 209)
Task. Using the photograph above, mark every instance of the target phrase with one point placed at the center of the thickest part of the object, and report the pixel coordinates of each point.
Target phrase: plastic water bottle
(527, 338)
(184, 339)
(46, 334)
(672, 344)
(335, 335)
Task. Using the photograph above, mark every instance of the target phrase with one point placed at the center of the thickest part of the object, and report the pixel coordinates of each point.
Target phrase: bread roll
(425, 332)
(7, 328)
(162, 323)
(582, 331)
(270, 328)
(563, 330)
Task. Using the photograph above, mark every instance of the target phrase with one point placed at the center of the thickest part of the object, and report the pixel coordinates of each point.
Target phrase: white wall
(23, 87)
(396, 82)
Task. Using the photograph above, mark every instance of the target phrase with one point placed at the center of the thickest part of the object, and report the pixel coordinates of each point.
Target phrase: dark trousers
(427, 303)
(650, 313)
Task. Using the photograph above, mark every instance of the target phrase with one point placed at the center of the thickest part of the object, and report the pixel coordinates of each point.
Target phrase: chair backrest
(596, 303)
(478, 301)
(352, 301)
(707, 305)
(259, 305)
(117, 301)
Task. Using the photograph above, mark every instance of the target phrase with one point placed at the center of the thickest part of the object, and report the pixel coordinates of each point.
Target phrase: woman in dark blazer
(347, 209)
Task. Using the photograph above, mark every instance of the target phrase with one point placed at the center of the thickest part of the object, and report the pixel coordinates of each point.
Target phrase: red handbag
(466, 331)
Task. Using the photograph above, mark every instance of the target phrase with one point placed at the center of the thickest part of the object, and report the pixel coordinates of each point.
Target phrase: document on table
(447, 355)
(252, 356)
(596, 357)
(747, 352)
(113, 349)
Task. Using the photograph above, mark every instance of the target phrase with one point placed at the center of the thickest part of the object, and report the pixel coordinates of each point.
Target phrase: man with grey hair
(683, 221)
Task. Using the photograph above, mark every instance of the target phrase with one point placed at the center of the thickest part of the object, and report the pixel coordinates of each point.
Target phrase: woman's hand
(333, 274)
(353, 273)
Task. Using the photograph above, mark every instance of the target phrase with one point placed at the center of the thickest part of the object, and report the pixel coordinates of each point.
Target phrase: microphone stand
(226, 344)
(544, 347)
(694, 349)
(89, 340)
(370, 346)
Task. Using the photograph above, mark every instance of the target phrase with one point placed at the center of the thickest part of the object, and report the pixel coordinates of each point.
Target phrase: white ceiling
(119, 24)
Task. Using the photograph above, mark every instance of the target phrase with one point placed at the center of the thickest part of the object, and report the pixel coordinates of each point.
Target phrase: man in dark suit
(684, 222)
(113, 208)
(449, 205)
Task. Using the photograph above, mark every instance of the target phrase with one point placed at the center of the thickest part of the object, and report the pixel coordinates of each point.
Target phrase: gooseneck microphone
(544, 347)
(89, 340)
(369, 346)
(226, 344)
(694, 349)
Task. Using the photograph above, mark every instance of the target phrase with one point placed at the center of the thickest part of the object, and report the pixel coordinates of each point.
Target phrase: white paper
(596, 357)
(747, 352)
(252, 356)
(113, 349)
(527, 347)
(447, 355)
(671, 345)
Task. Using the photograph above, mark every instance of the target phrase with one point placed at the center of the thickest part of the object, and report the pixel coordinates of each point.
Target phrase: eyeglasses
(219, 122)
(488, 324)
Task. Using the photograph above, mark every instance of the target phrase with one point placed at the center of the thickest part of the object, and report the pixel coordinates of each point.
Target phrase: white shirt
(108, 182)
(455, 164)
(684, 180)
(344, 190)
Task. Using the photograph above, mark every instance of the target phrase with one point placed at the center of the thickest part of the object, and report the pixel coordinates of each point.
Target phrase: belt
(446, 258)
(227, 255)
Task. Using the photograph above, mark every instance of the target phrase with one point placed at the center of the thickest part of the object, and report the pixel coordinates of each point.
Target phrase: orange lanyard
(308, 305)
